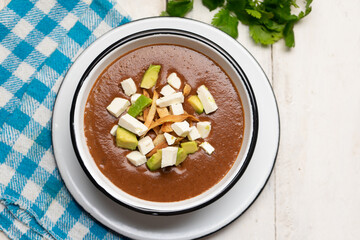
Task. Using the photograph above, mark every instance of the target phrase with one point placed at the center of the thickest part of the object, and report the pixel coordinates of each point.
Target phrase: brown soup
(199, 171)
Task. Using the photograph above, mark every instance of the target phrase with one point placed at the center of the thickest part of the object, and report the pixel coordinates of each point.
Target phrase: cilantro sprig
(224, 21)
(268, 20)
(178, 8)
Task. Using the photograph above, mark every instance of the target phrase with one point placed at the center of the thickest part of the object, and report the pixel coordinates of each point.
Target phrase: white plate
(190, 225)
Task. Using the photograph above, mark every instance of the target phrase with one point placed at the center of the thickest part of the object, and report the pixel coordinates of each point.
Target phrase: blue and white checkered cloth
(39, 39)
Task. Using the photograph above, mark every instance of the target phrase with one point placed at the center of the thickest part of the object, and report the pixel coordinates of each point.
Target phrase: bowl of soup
(164, 121)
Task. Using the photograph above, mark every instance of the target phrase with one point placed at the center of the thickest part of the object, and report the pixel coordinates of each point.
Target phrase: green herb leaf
(273, 26)
(224, 21)
(254, 13)
(213, 4)
(262, 35)
(307, 7)
(179, 8)
(289, 35)
(307, 10)
(268, 20)
(238, 7)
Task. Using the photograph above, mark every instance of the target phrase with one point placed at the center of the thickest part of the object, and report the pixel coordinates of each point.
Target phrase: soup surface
(199, 171)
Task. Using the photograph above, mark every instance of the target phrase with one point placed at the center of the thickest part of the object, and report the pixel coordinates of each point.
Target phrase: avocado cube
(181, 156)
(189, 147)
(139, 105)
(126, 139)
(150, 77)
(196, 104)
(154, 162)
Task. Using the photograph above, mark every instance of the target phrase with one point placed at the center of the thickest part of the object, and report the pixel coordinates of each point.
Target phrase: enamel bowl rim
(158, 27)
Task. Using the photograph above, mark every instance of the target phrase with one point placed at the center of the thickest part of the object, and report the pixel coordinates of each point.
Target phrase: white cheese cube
(206, 99)
(193, 134)
(171, 99)
(128, 86)
(113, 130)
(170, 139)
(174, 80)
(167, 90)
(176, 109)
(118, 106)
(169, 155)
(181, 128)
(134, 97)
(132, 124)
(136, 158)
(204, 129)
(145, 145)
(207, 147)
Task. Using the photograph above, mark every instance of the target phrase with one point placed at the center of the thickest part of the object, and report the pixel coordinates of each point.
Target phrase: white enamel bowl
(164, 31)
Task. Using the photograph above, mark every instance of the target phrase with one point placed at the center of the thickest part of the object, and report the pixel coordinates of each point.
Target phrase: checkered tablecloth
(39, 39)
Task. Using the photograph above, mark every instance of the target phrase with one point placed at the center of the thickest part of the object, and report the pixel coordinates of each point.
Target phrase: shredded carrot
(146, 112)
(159, 139)
(162, 112)
(178, 140)
(187, 90)
(159, 146)
(171, 118)
(150, 116)
(145, 93)
(141, 118)
(157, 130)
(166, 127)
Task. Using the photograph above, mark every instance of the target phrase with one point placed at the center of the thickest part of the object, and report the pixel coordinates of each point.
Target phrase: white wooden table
(314, 191)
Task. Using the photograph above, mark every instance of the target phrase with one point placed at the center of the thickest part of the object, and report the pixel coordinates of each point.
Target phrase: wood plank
(141, 9)
(258, 222)
(261, 214)
(317, 86)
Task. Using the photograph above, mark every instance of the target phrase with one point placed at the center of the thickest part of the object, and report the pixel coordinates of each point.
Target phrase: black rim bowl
(209, 43)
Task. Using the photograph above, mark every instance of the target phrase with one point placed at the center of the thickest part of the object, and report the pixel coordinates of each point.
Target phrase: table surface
(313, 192)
